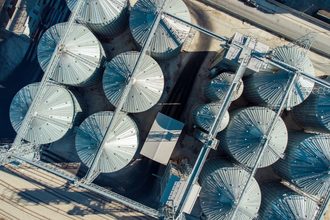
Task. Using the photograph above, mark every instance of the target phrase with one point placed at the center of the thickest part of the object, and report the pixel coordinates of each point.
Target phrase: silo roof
(279, 202)
(99, 11)
(307, 162)
(170, 34)
(80, 55)
(219, 86)
(221, 189)
(242, 138)
(148, 82)
(52, 118)
(269, 87)
(206, 114)
(119, 149)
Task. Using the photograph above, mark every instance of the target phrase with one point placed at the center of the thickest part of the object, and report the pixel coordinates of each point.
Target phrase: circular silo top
(147, 84)
(243, 136)
(169, 35)
(119, 148)
(205, 115)
(218, 87)
(99, 11)
(269, 88)
(307, 162)
(52, 117)
(279, 202)
(222, 188)
(79, 56)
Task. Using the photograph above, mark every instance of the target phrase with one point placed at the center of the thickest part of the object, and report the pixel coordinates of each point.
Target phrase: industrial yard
(165, 110)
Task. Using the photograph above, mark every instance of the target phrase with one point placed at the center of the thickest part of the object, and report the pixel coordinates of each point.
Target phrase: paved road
(278, 21)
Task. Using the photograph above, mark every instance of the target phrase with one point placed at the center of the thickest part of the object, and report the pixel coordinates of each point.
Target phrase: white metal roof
(148, 82)
(119, 149)
(53, 116)
(80, 55)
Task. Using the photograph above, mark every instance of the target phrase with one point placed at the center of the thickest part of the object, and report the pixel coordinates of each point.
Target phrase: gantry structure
(19, 148)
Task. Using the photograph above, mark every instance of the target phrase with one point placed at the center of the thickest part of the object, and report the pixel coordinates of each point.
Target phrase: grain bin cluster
(301, 157)
(83, 63)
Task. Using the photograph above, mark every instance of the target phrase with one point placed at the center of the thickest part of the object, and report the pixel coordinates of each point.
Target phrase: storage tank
(204, 116)
(314, 113)
(222, 184)
(80, 56)
(268, 88)
(170, 34)
(307, 162)
(119, 149)
(104, 17)
(53, 116)
(148, 82)
(218, 87)
(242, 138)
(279, 202)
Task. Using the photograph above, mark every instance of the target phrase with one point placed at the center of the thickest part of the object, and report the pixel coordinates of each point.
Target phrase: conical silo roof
(52, 118)
(148, 82)
(204, 116)
(80, 55)
(119, 149)
(268, 88)
(170, 34)
(218, 87)
(314, 113)
(279, 202)
(104, 17)
(242, 138)
(307, 162)
(222, 185)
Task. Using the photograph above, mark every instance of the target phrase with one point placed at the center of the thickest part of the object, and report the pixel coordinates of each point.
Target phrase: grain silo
(245, 131)
(217, 88)
(204, 116)
(80, 56)
(52, 118)
(307, 162)
(147, 86)
(279, 202)
(222, 185)
(119, 149)
(268, 88)
(170, 34)
(314, 113)
(104, 17)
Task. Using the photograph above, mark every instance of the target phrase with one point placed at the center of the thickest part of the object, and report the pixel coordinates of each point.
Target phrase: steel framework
(20, 147)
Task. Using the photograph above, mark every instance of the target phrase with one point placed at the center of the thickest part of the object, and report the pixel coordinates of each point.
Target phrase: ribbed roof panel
(52, 118)
(307, 162)
(242, 138)
(148, 82)
(205, 115)
(170, 33)
(119, 149)
(80, 55)
(222, 185)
